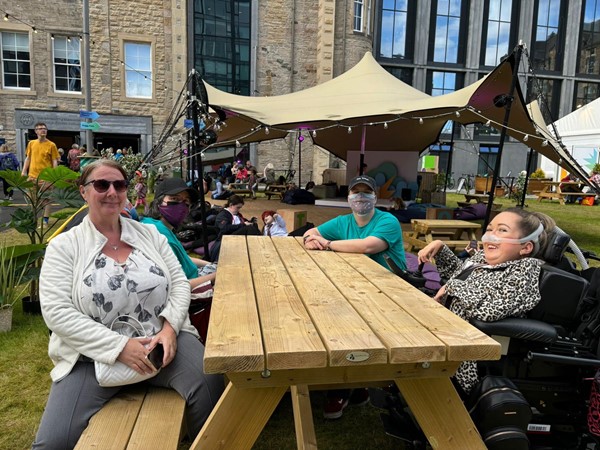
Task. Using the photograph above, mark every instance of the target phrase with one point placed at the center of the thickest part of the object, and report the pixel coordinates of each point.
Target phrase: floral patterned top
(137, 288)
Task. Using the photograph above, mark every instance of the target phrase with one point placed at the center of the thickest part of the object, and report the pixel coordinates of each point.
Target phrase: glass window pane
(15, 60)
(497, 42)
(138, 72)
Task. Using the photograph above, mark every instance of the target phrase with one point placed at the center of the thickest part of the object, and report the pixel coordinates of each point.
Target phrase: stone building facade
(301, 44)
(124, 120)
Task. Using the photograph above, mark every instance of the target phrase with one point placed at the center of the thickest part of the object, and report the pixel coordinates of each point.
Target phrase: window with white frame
(138, 69)
(16, 60)
(67, 63)
(359, 6)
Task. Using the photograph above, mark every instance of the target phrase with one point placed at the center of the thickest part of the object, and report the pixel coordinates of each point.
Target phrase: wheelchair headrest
(557, 244)
(562, 293)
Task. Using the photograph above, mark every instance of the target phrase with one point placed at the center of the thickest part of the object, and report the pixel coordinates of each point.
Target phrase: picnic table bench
(450, 231)
(479, 198)
(139, 417)
(276, 190)
(311, 319)
(239, 188)
(553, 190)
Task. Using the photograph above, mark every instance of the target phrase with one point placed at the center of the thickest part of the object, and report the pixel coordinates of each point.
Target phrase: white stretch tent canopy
(580, 134)
(367, 108)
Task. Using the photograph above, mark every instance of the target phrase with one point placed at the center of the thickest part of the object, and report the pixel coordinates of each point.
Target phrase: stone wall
(292, 42)
(110, 23)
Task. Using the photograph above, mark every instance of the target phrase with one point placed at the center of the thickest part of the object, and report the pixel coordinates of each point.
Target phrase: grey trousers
(77, 397)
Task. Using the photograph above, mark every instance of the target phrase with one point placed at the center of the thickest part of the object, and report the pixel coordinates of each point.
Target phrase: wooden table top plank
(232, 343)
(406, 339)
(425, 225)
(290, 339)
(464, 342)
(342, 330)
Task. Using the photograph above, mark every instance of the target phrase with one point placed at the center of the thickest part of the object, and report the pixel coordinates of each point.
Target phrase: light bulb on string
(314, 133)
(6, 17)
(349, 130)
(420, 121)
(266, 130)
(525, 138)
(545, 143)
(68, 38)
(52, 37)
(34, 30)
(488, 123)
(457, 113)
(237, 144)
(385, 125)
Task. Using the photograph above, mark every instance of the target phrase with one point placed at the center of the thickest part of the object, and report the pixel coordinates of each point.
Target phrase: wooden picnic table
(479, 198)
(284, 317)
(451, 232)
(276, 190)
(553, 190)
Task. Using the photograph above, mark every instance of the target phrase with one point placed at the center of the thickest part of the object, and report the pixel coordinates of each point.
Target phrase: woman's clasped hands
(135, 353)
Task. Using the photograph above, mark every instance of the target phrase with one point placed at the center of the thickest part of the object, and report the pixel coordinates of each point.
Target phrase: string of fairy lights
(211, 122)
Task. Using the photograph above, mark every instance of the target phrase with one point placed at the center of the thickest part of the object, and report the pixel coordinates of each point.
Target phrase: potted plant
(534, 184)
(54, 185)
(15, 271)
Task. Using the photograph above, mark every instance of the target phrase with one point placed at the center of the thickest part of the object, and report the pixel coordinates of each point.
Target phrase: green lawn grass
(25, 366)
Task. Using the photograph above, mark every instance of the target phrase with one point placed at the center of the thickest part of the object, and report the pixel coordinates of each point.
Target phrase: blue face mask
(362, 203)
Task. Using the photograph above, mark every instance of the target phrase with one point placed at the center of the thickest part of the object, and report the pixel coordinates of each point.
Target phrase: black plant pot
(31, 307)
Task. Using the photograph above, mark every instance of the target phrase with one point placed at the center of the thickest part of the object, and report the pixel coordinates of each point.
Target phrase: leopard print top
(489, 293)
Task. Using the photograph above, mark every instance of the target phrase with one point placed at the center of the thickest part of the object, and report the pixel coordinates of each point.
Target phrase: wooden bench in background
(240, 189)
(276, 190)
(139, 417)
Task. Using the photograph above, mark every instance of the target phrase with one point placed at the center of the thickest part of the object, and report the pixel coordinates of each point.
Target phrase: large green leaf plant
(55, 186)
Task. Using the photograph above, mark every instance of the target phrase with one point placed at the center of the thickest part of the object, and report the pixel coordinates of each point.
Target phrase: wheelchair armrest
(519, 328)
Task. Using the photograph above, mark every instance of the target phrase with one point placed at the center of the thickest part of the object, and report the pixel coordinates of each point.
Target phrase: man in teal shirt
(367, 230)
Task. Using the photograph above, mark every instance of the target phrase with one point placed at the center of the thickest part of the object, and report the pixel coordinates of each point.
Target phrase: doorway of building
(116, 141)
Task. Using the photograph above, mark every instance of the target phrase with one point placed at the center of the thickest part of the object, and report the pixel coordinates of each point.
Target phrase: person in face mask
(500, 281)
(171, 205)
(369, 231)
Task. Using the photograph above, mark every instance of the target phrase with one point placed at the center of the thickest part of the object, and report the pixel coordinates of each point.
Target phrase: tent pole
(300, 139)
(524, 193)
(450, 155)
(507, 106)
(197, 157)
(363, 140)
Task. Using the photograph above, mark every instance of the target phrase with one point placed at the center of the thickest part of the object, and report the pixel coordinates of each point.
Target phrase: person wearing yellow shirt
(40, 153)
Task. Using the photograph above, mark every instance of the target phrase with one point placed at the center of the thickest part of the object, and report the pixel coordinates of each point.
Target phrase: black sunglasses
(102, 186)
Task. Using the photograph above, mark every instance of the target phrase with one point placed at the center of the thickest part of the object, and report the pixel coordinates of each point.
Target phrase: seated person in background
(231, 221)
(500, 281)
(269, 174)
(168, 210)
(220, 193)
(106, 267)
(274, 224)
(241, 175)
(397, 204)
(369, 231)
(569, 188)
(310, 186)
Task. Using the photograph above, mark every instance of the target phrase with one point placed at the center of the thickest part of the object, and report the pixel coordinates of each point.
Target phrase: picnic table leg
(303, 419)
(238, 418)
(440, 413)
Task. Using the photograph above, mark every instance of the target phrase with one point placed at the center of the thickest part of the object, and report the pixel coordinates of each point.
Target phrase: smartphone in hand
(473, 245)
(156, 356)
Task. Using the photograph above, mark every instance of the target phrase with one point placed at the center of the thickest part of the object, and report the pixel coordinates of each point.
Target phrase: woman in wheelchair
(497, 282)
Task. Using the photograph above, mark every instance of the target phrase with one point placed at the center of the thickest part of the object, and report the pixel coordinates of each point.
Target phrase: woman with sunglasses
(110, 266)
(500, 281)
